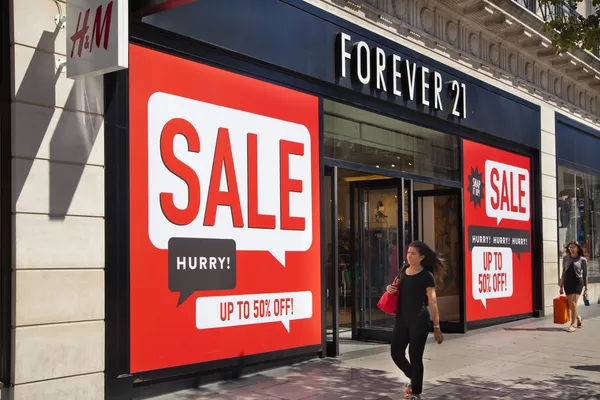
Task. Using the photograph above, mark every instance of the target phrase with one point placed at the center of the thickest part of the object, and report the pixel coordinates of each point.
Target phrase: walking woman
(416, 283)
(574, 280)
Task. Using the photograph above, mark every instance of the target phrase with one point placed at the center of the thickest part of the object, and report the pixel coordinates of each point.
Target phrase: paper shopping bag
(561, 310)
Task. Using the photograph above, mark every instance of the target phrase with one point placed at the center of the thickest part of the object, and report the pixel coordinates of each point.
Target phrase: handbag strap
(399, 277)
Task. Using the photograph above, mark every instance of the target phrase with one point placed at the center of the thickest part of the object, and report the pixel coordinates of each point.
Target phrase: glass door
(437, 222)
(378, 238)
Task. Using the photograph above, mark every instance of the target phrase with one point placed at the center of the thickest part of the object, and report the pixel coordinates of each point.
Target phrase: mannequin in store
(563, 209)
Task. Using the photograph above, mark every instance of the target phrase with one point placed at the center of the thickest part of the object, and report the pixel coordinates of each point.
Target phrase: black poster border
(537, 271)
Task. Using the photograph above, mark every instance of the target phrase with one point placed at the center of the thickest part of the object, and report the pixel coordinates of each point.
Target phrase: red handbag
(388, 303)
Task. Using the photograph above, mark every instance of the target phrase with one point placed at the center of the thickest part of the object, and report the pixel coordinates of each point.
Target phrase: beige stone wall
(549, 208)
(58, 215)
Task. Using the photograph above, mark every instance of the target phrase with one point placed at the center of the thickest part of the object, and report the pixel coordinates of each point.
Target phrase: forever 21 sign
(398, 77)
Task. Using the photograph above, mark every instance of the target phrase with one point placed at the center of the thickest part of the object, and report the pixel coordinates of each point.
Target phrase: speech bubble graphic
(492, 273)
(227, 311)
(507, 192)
(217, 172)
(201, 264)
(515, 239)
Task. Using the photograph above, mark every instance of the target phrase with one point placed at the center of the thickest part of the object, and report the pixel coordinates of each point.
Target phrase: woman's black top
(574, 274)
(413, 299)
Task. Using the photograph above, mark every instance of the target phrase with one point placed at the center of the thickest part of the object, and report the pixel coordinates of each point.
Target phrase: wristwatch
(436, 326)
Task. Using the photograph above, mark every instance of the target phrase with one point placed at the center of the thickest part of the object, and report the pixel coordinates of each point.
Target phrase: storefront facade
(263, 167)
(274, 187)
(578, 175)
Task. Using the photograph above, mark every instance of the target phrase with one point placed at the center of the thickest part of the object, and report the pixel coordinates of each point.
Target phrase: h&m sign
(97, 36)
(398, 77)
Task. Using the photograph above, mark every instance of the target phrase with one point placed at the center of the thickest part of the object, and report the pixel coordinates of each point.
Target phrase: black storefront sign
(298, 38)
(577, 145)
(399, 77)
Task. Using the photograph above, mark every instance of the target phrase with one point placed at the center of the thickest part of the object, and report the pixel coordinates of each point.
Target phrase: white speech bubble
(506, 192)
(226, 311)
(492, 273)
(207, 119)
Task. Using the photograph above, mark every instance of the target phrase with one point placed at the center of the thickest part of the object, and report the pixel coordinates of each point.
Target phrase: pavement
(529, 359)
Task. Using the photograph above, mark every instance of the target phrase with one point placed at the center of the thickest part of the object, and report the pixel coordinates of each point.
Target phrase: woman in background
(574, 280)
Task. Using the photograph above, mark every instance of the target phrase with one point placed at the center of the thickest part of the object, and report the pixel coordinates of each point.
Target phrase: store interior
(379, 214)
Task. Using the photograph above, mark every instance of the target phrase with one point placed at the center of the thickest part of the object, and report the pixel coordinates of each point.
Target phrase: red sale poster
(224, 214)
(497, 213)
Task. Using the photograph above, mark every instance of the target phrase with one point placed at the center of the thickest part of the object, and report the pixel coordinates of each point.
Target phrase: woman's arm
(562, 276)
(435, 313)
(584, 267)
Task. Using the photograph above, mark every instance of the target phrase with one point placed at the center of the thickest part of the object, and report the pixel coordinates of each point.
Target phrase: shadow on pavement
(541, 329)
(592, 368)
(330, 380)
(567, 387)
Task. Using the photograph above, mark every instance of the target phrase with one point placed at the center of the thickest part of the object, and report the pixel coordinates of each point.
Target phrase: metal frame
(333, 347)
(323, 352)
(446, 326)
(390, 173)
(118, 380)
(361, 332)
(6, 217)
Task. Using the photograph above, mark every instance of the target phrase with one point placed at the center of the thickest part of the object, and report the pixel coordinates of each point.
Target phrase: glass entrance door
(437, 222)
(378, 238)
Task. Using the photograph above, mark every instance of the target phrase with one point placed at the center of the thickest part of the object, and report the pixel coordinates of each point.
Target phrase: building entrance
(371, 220)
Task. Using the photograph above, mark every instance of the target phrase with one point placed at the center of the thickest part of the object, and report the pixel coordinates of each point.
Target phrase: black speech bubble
(484, 236)
(204, 264)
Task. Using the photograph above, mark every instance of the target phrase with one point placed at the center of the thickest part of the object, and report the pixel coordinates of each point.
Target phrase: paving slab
(529, 359)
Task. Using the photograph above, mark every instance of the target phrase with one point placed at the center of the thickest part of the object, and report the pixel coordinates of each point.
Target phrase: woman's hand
(438, 335)
(391, 289)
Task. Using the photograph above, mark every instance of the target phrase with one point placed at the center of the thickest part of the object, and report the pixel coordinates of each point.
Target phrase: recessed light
(377, 166)
(393, 166)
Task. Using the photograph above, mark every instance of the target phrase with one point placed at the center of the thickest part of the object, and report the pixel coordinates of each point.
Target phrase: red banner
(497, 205)
(225, 224)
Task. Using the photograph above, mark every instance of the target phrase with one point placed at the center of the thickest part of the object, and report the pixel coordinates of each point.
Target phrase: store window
(363, 137)
(579, 214)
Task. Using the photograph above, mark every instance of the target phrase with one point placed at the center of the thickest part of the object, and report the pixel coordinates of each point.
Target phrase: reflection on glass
(380, 250)
(437, 219)
(346, 197)
(579, 215)
(360, 136)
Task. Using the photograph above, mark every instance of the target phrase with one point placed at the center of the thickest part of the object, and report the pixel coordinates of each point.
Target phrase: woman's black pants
(414, 334)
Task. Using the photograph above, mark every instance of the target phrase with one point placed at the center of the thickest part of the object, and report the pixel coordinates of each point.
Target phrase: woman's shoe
(579, 322)
(571, 329)
(414, 397)
(408, 391)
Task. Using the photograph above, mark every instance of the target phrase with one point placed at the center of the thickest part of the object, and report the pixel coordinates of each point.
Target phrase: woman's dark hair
(432, 261)
(580, 250)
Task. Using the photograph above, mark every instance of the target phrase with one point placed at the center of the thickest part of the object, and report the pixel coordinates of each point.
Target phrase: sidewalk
(532, 359)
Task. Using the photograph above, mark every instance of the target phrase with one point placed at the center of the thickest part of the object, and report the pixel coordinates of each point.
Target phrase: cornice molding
(481, 36)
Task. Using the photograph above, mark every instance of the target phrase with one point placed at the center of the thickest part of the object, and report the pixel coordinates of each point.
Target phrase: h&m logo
(100, 30)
